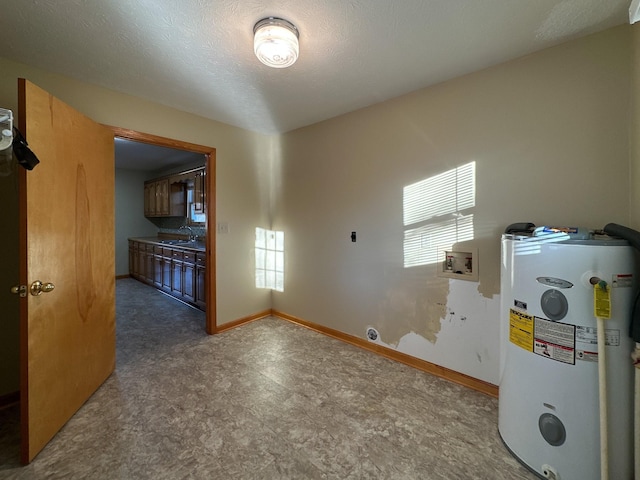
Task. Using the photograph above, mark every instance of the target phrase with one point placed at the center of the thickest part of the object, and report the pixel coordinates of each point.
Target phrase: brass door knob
(38, 287)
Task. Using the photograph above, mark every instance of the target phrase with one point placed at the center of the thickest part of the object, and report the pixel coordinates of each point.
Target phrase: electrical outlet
(223, 228)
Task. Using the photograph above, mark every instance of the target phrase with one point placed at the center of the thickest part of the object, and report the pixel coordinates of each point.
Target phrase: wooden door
(67, 336)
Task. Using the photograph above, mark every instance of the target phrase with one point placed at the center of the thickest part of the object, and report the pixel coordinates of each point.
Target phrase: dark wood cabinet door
(149, 267)
(176, 277)
(141, 264)
(150, 199)
(180, 272)
(158, 267)
(188, 282)
(133, 259)
(200, 287)
(166, 274)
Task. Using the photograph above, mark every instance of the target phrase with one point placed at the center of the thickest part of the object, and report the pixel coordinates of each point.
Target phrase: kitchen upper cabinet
(150, 199)
(156, 198)
(179, 195)
(163, 198)
(198, 192)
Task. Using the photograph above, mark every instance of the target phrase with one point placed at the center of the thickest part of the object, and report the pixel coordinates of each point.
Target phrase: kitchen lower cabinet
(176, 278)
(189, 276)
(178, 271)
(165, 265)
(158, 263)
(134, 266)
(140, 263)
(201, 297)
(149, 264)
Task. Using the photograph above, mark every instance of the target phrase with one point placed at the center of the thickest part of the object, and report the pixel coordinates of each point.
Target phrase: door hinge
(19, 290)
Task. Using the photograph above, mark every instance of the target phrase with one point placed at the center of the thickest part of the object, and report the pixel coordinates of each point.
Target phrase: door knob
(38, 287)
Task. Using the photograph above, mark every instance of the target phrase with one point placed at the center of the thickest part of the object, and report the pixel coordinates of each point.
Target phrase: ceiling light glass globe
(276, 42)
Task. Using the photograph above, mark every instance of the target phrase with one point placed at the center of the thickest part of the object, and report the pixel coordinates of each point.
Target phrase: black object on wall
(26, 158)
(633, 237)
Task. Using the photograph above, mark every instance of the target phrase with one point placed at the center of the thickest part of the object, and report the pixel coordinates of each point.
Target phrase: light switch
(223, 228)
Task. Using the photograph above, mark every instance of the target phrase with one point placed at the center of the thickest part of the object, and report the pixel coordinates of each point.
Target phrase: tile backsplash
(171, 225)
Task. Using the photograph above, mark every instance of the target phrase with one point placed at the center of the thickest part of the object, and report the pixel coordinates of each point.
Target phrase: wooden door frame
(210, 187)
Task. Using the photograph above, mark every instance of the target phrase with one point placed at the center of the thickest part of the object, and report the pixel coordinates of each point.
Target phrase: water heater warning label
(555, 340)
(587, 342)
(521, 329)
(589, 336)
(621, 280)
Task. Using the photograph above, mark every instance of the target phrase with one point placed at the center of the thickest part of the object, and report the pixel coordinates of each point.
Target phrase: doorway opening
(177, 156)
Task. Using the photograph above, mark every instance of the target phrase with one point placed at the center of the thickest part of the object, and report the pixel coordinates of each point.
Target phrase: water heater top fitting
(6, 129)
(573, 233)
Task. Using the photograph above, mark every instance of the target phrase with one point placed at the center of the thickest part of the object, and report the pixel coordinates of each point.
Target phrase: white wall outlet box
(461, 264)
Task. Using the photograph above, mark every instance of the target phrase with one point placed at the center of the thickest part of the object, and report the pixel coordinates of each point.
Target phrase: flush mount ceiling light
(275, 42)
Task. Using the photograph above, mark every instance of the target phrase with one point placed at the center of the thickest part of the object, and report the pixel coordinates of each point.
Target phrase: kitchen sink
(175, 242)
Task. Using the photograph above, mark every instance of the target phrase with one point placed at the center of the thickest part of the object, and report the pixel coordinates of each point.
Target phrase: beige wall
(549, 135)
(242, 174)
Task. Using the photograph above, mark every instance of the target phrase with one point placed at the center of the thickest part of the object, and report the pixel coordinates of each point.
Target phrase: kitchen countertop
(172, 242)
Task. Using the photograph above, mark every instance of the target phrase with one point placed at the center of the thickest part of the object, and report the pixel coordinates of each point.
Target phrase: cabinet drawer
(201, 259)
(167, 252)
(189, 257)
(176, 254)
(157, 250)
(148, 247)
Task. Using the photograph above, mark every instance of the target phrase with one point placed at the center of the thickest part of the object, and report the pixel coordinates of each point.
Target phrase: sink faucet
(192, 236)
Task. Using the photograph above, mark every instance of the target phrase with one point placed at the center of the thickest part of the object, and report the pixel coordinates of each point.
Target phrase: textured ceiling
(197, 55)
(153, 158)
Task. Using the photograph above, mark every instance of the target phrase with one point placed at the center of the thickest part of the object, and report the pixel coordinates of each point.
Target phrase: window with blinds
(269, 259)
(437, 213)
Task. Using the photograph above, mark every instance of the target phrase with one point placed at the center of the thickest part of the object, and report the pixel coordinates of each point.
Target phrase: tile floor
(268, 400)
